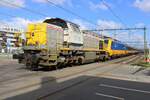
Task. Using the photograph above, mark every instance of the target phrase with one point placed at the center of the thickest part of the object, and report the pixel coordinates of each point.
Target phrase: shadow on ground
(140, 69)
(86, 88)
(147, 72)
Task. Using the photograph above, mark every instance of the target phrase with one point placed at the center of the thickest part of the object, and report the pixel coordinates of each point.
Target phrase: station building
(10, 39)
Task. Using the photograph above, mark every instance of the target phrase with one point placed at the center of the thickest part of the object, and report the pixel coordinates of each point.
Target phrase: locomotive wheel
(104, 59)
(80, 61)
(20, 61)
(60, 65)
(28, 61)
(34, 62)
(34, 67)
(107, 57)
(31, 62)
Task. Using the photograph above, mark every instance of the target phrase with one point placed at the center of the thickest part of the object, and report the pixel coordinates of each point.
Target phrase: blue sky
(134, 13)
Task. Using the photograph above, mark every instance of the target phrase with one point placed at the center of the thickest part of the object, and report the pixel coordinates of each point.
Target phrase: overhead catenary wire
(7, 15)
(24, 8)
(113, 13)
(45, 15)
(71, 12)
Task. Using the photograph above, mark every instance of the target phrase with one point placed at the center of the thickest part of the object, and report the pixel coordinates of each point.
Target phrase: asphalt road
(96, 88)
(105, 89)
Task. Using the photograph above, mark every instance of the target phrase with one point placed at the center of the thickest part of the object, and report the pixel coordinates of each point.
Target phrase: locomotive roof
(92, 33)
(58, 21)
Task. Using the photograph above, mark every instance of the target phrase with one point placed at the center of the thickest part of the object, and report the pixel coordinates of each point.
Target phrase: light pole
(145, 45)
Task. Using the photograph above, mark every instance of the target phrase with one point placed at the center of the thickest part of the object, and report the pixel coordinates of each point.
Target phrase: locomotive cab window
(106, 41)
(58, 22)
(75, 28)
(101, 44)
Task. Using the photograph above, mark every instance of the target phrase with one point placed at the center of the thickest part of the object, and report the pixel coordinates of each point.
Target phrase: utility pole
(145, 45)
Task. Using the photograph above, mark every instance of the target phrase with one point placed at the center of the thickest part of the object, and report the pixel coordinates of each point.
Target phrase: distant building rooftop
(10, 29)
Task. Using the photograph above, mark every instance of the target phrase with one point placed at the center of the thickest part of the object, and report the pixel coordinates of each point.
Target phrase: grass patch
(142, 64)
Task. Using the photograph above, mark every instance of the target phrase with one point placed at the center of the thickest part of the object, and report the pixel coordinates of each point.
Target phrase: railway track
(125, 59)
(114, 61)
(141, 58)
(133, 58)
(102, 64)
(79, 72)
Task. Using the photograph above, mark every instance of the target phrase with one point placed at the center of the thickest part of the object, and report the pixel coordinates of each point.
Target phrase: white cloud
(12, 3)
(83, 24)
(135, 37)
(101, 25)
(143, 5)
(23, 22)
(100, 5)
(19, 22)
(58, 2)
(108, 24)
(40, 1)
(140, 25)
(132, 38)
